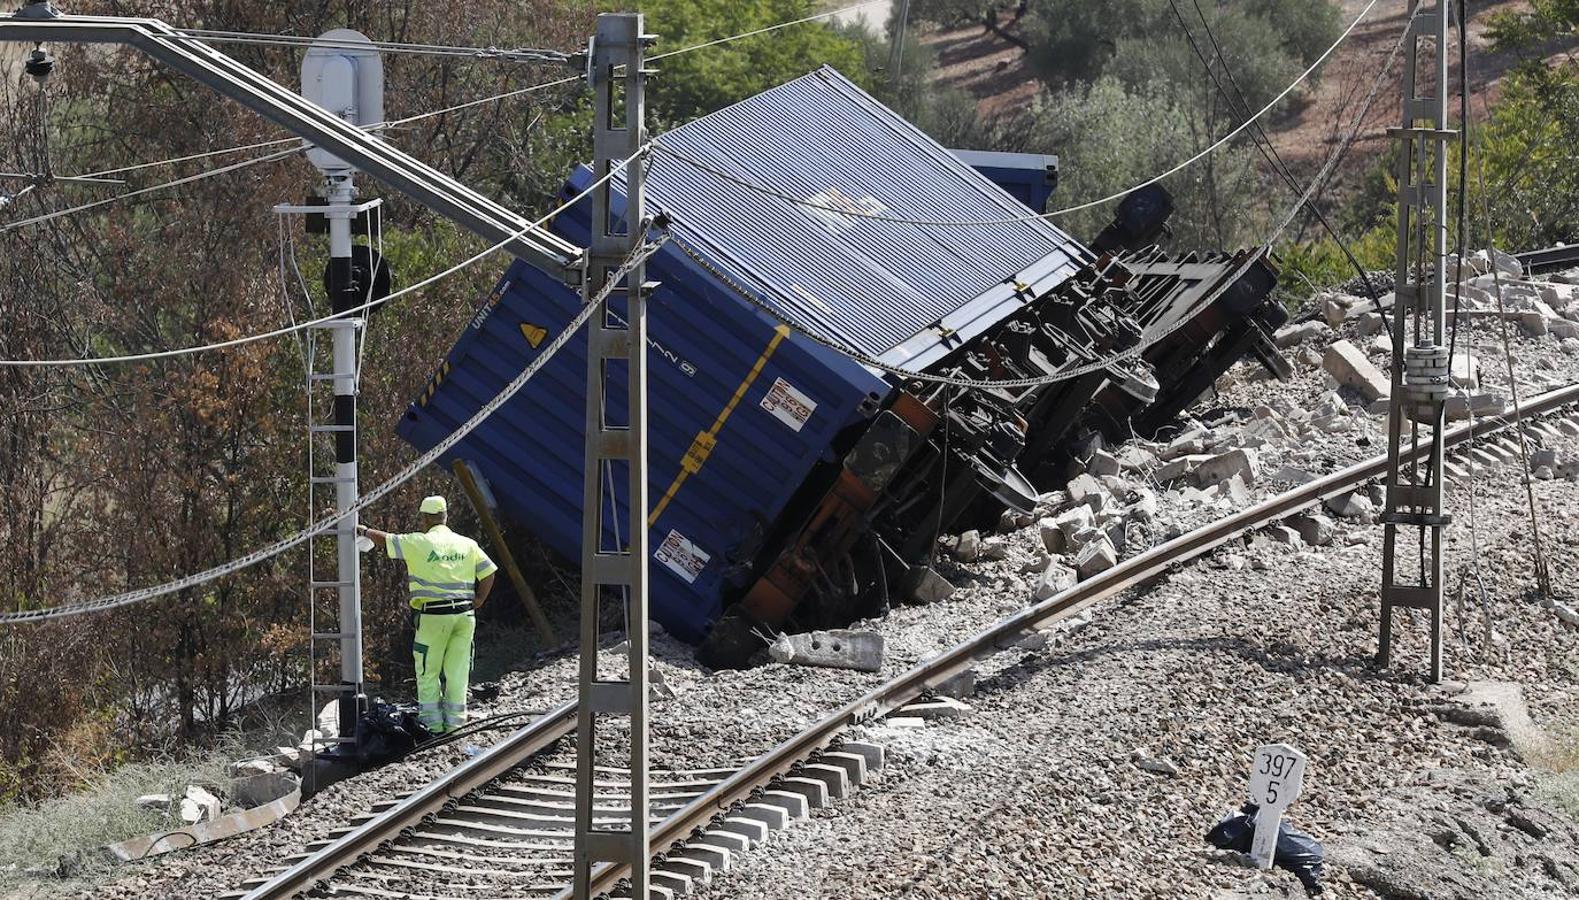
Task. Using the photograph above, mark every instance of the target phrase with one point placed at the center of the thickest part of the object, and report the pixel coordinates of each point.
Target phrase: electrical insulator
(1426, 381)
(39, 64)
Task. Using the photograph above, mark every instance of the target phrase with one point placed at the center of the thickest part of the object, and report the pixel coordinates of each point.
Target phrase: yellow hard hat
(433, 505)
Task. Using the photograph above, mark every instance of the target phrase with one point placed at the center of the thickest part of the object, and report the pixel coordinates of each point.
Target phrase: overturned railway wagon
(799, 474)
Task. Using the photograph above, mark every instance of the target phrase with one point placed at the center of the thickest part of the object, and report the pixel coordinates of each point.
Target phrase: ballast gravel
(1041, 792)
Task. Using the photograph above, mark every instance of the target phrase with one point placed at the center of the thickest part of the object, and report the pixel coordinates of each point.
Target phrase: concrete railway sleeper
(484, 826)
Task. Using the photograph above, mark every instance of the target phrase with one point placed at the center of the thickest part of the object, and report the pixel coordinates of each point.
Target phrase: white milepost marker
(1276, 777)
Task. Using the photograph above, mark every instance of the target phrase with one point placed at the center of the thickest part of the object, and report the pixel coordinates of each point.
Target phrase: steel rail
(917, 682)
(928, 675)
(475, 773)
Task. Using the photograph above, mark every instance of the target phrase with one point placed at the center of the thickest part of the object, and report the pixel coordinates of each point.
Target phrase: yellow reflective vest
(442, 567)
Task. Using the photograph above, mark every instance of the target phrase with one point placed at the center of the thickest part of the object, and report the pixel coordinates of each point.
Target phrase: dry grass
(56, 847)
(1559, 783)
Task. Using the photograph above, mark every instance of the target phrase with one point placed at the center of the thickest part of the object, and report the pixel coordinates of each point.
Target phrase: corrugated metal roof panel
(872, 284)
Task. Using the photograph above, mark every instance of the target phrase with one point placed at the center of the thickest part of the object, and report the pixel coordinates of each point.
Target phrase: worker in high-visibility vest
(449, 577)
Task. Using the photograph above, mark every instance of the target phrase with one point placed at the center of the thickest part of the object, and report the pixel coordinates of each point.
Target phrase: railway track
(502, 821)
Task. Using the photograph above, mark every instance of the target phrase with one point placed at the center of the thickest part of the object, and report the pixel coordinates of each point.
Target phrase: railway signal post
(614, 543)
(1420, 363)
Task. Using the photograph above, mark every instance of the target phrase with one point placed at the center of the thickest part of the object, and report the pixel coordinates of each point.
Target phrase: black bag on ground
(1297, 851)
(387, 732)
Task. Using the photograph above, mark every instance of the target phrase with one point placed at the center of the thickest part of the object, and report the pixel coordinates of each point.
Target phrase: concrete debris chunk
(1143, 505)
(200, 806)
(969, 546)
(1052, 535)
(1465, 371)
(1102, 463)
(1290, 335)
(1370, 323)
(1240, 462)
(1314, 529)
(1459, 407)
(931, 588)
(1508, 265)
(1283, 534)
(837, 649)
(1349, 367)
(1350, 505)
(1190, 442)
(1097, 556)
(1086, 490)
(1136, 459)
(159, 803)
(1073, 520)
(248, 768)
(994, 548)
(1039, 563)
(1158, 765)
(1055, 579)
(1563, 329)
(1292, 475)
(1178, 467)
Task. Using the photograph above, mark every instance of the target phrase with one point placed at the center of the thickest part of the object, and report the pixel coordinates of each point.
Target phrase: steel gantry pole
(1420, 365)
(614, 541)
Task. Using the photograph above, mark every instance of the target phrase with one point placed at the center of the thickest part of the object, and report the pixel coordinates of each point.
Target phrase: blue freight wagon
(792, 485)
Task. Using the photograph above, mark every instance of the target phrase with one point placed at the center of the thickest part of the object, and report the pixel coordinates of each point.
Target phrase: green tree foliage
(698, 83)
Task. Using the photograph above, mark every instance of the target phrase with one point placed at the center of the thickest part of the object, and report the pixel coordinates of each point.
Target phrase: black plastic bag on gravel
(1297, 851)
(387, 732)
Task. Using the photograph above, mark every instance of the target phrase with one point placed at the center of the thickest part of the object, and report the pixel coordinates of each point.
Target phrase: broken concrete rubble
(1291, 335)
(931, 588)
(1098, 555)
(1351, 505)
(1056, 579)
(1314, 529)
(1352, 369)
(198, 805)
(1238, 462)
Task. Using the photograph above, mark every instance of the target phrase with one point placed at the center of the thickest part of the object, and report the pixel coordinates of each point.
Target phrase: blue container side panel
(704, 345)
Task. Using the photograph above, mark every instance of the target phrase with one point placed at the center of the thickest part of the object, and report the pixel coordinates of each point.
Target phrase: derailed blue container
(770, 403)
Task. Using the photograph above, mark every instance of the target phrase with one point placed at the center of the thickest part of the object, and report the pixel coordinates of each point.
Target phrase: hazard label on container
(684, 558)
(789, 405)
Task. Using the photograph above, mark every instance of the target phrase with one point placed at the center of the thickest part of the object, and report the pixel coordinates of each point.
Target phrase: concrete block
(1350, 367)
(1350, 505)
(792, 803)
(1223, 466)
(1370, 323)
(832, 777)
(1178, 467)
(731, 841)
(1097, 556)
(713, 856)
(872, 753)
(836, 649)
(931, 588)
(1290, 335)
(854, 764)
(1052, 535)
(1314, 529)
(1085, 489)
(968, 549)
(754, 831)
(814, 792)
(1071, 521)
(200, 806)
(1102, 463)
(1563, 328)
(1055, 579)
(1282, 534)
